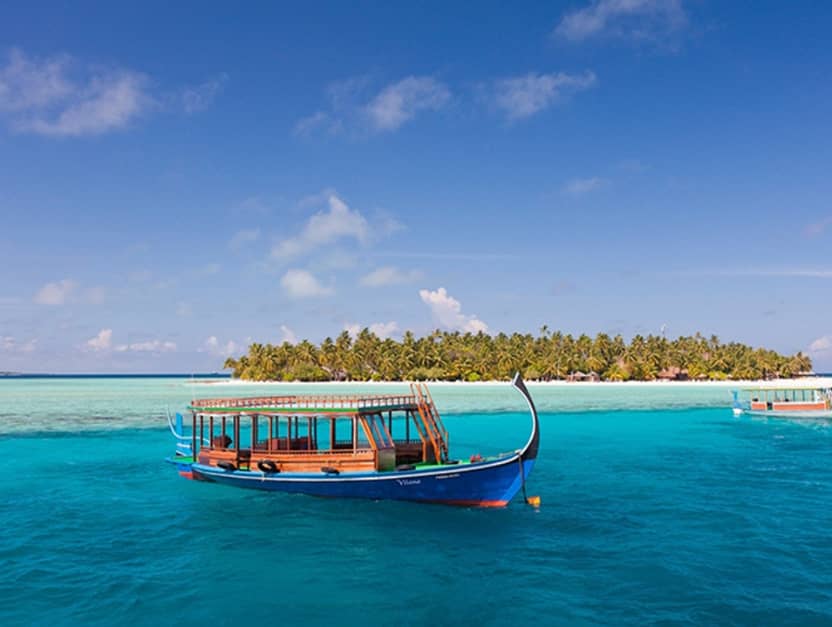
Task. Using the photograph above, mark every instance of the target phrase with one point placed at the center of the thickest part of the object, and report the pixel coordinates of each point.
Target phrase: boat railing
(328, 401)
(435, 430)
(300, 452)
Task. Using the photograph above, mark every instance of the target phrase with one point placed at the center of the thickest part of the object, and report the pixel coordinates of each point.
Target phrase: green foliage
(446, 356)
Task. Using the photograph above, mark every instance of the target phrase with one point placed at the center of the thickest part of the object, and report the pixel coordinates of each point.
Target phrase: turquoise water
(657, 507)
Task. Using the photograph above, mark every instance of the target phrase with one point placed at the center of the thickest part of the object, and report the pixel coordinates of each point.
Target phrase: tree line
(454, 356)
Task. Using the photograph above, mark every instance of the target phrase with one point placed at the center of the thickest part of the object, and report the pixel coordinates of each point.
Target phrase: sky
(178, 180)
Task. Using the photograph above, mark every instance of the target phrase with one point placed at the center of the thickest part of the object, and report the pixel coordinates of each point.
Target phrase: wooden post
(332, 433)
(237, 420)
(211, 428)
(271, 431)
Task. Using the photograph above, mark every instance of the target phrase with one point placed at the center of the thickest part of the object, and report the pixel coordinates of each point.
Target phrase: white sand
(802, 382)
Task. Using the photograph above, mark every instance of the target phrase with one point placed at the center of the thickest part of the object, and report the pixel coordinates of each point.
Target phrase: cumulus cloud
(150, 346)
(302, 284)
(55, 293)
(389, 275)
(381, 329)
(522, 96)
(101, 342)
(632, 19)
(448, 311)
(325, 227)
(351, 109)
(215, 347)
(821, 345)
(578, 187)
(287, 335)
(401, 101)
(60, 97)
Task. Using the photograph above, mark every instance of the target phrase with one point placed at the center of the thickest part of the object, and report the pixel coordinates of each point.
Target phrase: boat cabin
(789, 399)
(319, 433)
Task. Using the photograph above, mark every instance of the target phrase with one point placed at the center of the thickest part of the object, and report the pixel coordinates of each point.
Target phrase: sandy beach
(803, 382)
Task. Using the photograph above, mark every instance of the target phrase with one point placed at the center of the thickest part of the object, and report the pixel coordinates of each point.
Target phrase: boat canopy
(310, 432)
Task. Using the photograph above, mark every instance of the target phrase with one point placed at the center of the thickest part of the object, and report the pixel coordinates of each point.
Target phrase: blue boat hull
(482, 484)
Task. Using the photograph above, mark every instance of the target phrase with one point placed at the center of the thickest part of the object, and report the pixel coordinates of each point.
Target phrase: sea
(658, 507)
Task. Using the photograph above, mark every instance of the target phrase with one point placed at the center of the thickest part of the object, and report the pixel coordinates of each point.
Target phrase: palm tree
(452, 355)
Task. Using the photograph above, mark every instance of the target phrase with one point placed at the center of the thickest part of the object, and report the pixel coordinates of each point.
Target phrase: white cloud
(350, 108)
(243, 237)
(523, 96)
(303, 284)
(381, 329)
(9, 344)
(821, 345)
(27, 84)
(389, 275)
(320, 120)
(202, 96)
(448, 311)
(287, 335)
(151, 346)
(325, 227)
(578, 187)
(101, 342)
(215, 347)
(401, 101)
(632, 19)
(55, 293)
(60, 97)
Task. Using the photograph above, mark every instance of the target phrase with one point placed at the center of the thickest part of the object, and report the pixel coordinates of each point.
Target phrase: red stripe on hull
(475, 503)
(187, 474)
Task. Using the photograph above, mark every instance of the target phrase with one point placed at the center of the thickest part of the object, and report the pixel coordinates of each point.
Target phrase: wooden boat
(375, 447)
(798, 402)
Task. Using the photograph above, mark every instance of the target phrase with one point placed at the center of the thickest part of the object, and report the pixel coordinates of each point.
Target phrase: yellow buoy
(534, 501)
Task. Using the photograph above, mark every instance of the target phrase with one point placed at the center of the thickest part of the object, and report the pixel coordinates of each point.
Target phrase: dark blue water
(685, 516)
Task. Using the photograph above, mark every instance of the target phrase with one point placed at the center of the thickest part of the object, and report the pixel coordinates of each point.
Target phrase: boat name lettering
(409, 481)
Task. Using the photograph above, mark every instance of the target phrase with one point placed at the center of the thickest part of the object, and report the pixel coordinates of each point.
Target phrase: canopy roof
(307, 404)
(787, 389)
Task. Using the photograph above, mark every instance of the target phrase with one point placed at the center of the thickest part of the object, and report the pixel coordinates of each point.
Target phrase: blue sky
(176, 182)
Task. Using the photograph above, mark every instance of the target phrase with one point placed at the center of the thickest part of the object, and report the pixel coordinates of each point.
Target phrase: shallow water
(665, 510)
